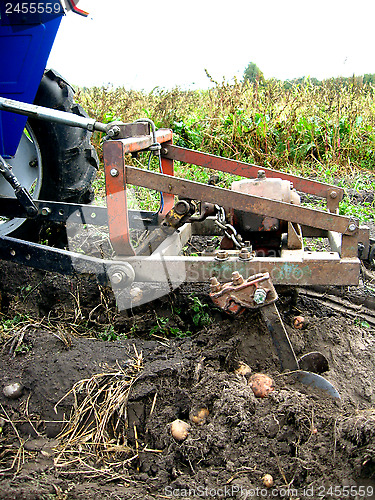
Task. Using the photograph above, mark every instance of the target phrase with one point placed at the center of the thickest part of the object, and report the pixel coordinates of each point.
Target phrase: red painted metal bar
(117, 206)
(167, 166)
(240, 201)
(116, 185)
(135, 144)
(251, 171)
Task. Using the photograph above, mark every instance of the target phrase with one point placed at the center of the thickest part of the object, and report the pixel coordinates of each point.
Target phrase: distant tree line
(253, 74)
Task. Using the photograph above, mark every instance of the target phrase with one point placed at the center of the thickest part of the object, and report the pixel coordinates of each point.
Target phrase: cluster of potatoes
(262, 385)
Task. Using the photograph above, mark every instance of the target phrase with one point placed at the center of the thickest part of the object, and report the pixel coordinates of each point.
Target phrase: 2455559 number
(344, 491)
(32, 8)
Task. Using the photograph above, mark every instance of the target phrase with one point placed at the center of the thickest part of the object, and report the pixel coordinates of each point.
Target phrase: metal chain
(229, 231)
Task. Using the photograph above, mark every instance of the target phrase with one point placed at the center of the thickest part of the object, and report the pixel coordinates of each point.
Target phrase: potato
(179, 430)
(267, 480)
(199, 415)
(262, 385)
(299, 322)
(243, 369)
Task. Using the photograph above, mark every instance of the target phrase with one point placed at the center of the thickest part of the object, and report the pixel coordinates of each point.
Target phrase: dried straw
(95, 441)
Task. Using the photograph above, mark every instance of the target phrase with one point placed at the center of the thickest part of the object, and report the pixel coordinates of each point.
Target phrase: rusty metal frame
(333, 194)
(295, 267)
(116, 185)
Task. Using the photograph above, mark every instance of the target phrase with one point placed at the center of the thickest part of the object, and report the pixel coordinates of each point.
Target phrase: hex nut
(260, 296)
(244, 254)
(222, 255)
(45, 211)
(116, 278)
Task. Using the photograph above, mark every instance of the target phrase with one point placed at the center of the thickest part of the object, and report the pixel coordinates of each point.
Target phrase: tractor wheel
(54, 162)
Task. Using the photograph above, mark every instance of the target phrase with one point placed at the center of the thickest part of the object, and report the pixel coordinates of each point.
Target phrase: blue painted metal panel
(24, 51)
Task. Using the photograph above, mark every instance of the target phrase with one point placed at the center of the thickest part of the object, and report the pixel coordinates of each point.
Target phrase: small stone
(35, 444)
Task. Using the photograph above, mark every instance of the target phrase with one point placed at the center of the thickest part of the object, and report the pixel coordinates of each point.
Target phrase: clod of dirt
(359, 428)
(262, 385)
(40, 444)
(13, 391)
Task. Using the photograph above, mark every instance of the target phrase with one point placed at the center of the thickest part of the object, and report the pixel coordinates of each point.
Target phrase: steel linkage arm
(241, 201)
(333, 194)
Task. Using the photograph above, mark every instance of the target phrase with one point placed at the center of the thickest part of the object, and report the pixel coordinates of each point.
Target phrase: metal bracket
(64, 262)
(239, 294)
(54, 211)
(21, 192)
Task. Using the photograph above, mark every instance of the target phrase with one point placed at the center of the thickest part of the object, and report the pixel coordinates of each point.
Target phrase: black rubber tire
(69, 161)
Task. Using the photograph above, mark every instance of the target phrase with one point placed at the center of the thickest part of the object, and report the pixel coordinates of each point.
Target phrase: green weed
(9, 324)
(109, 333)
(164, 327)
(23, 348)
(199, 312)
(361, 322)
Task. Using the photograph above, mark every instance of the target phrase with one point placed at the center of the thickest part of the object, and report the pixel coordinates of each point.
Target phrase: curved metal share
(287, 357)
(314, 362)
(315, 381)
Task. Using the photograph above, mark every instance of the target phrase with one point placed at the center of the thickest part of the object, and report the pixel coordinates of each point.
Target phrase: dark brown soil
(312, 446)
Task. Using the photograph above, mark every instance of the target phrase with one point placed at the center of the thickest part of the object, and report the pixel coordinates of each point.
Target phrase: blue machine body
(26, 40)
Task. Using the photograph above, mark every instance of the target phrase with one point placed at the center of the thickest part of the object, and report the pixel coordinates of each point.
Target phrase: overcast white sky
(138, 44)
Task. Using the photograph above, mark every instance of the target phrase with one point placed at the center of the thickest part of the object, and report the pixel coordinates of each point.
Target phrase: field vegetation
(324, 130)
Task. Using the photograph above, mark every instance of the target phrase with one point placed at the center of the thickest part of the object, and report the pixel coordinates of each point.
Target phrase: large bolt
(352, 227)
(114, 172)
(261, 174)
(114, 131)
(237, 278)
(215, 285)
(121, 275)
(333, 194)
(182, 207)
(31, 211)
(116, 278)
(260, 296)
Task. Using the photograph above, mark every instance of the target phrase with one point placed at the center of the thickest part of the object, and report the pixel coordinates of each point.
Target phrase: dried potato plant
(95, 439)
